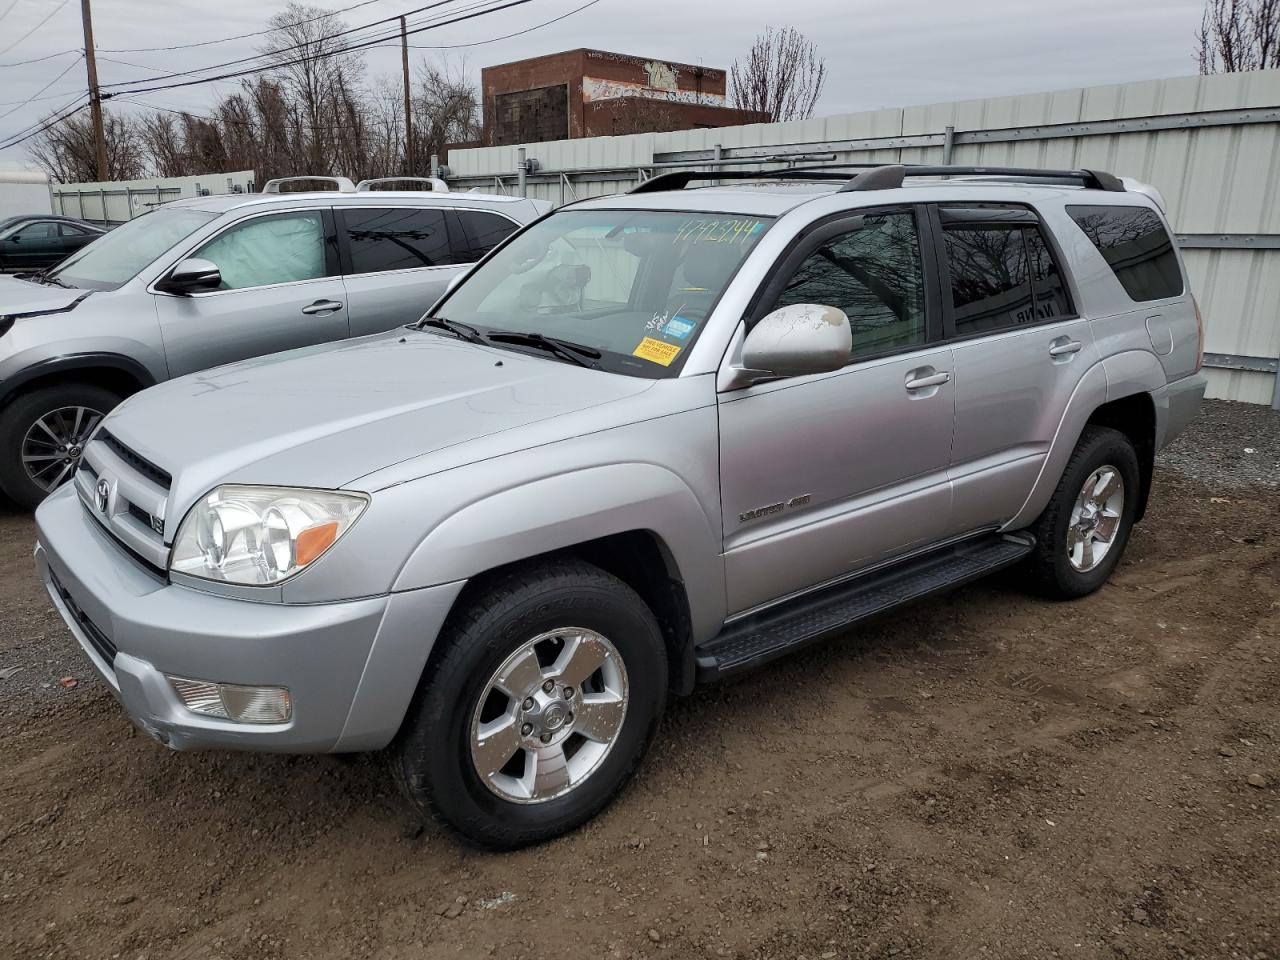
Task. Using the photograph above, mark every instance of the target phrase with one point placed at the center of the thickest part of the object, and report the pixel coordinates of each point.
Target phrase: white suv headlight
(261, 535)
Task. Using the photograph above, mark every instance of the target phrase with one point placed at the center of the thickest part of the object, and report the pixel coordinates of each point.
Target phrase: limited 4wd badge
(772, 508)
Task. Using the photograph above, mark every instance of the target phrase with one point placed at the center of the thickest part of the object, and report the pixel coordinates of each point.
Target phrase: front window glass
(116, 257)
(265, 250)
(635, 285)
(873, 273)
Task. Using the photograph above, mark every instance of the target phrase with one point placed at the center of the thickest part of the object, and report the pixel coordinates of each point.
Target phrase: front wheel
(43, 434)
(1082, 533)
(544, 695)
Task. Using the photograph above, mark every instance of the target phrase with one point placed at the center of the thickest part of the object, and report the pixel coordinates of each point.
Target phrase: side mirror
(191, 276)
(798, 339)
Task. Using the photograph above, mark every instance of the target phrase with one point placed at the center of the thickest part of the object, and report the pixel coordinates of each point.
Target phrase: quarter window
(990, 279)
(873, 273)
(484, 231)
(265, 250)
(1051, 298)
(396, 239)
(1136, 246)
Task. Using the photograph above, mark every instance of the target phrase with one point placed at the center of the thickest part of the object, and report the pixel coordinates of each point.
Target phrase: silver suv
(203, 282)
(650, 441)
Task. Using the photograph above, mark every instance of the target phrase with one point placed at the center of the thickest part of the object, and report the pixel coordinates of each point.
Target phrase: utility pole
(95, 95)
(408, 100)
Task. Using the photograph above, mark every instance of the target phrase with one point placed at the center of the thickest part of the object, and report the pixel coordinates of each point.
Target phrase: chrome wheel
(549, 715)
(1095, 518)
(53, 445)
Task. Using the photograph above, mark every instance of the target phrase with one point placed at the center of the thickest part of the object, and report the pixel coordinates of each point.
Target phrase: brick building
(591, 93)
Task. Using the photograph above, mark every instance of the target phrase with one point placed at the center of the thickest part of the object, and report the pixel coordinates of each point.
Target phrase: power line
(36, 96)
(508, 36)
(47, 56)
(8, 9)
(321, 56)
(22, 135)
(48, 17)
(295, 46)
(239, 36)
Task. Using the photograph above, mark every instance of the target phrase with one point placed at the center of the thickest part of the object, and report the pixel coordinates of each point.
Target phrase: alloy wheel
(1095, 518)
(54, 444)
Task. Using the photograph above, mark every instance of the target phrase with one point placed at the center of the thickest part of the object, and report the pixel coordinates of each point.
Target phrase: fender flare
(76, 361)
(563, 510)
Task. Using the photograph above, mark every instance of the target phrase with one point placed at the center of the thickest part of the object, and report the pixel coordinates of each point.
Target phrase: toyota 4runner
(651, 440)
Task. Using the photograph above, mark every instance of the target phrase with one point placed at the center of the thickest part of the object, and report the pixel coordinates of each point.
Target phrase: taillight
(1200, 333)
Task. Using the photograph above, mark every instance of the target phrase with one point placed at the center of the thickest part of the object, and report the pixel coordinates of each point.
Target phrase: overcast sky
(879, 54)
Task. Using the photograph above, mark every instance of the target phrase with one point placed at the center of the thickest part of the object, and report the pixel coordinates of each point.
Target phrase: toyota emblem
(101, 495)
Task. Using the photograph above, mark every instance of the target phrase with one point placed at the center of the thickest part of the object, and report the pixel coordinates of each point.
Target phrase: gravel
(1228, 446)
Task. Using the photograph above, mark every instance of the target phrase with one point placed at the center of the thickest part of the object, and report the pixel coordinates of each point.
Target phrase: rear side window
(1052, 302)
(396, 239)
(990, 278)
(483, 232)
(1136, 246)
(873, 274)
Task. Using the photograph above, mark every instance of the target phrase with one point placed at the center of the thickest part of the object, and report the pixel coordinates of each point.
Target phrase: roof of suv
(222, 202)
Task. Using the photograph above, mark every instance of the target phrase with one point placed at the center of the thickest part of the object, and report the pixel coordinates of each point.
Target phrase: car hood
(326, 416)
(22, 298)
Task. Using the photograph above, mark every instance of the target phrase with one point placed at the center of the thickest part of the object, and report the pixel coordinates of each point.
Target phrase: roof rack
(886, 177)
(435, 184)
(341, 184)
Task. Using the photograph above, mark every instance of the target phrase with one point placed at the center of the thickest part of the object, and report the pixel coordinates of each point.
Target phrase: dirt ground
(984, 775)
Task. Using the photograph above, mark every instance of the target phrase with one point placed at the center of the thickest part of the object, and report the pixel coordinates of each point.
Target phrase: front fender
(566, 509)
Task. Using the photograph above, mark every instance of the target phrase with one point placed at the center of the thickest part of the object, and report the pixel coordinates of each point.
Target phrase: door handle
(1065, 349)
(321, 307)
(932, 380)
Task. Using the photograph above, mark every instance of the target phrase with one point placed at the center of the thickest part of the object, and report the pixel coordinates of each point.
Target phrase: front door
(1020, 351)
(32, 246)
(823, 476)
(280, 289)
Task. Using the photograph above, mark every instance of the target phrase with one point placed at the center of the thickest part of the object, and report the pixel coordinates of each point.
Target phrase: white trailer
(24, 191)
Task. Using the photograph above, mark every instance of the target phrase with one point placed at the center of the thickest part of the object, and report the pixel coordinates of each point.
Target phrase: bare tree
(1237, 35)
(446, 109)
(783, 76)
(65, 151)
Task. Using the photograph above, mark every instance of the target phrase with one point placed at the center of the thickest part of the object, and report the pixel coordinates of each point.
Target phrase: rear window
(484, 231)
(1136, 246)
(396, 239)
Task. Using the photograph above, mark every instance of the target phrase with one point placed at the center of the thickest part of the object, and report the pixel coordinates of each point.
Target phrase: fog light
(229, 701)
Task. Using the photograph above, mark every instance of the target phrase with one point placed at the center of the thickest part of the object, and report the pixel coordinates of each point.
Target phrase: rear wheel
(42, 437)
(542, 698)
(1085, 528)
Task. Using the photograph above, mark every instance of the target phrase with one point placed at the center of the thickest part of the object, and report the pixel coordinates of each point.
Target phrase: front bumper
(351, 667)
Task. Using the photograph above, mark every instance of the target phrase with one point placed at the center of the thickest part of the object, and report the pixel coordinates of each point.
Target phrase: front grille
(144, 467)
(97, 639)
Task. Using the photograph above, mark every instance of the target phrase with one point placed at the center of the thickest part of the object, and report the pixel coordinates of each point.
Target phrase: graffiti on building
(595, 89)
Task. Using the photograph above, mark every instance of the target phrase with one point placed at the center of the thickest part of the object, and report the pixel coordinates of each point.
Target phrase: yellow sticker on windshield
(656, 351)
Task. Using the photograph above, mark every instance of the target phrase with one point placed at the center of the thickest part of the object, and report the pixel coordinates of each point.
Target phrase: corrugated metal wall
(114, 202)
(1210, 144)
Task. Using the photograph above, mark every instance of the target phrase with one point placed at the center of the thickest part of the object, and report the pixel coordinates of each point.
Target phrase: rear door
(281, 289)
(822, 476)
(1020, 349)
(397, 261)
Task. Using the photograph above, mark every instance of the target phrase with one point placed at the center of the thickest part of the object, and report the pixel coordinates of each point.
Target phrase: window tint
(990, 282)
(396, 239)
(264, 250)
(38, 231)
(71, 230)
(872, 273)
(483, 231)
(1136, 246)
(1051, 297)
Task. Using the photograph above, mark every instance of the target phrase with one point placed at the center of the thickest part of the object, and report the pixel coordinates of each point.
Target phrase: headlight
(261, 535)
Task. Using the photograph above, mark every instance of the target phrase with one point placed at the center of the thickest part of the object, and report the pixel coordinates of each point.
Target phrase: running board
(779, 630)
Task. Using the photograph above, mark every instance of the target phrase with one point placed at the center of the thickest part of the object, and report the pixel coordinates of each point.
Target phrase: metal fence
(112, 203)
(1210, 144)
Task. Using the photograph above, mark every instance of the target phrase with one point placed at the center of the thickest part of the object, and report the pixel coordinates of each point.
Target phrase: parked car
(37, 242)
(206, 281)
(650, 441)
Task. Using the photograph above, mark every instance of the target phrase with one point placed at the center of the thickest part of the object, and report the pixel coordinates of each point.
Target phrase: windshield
(117, 256)
(634, 285)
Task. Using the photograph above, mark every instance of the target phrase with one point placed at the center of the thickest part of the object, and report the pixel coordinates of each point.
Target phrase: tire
(432, 757)
(18, 431)
(1060, 566)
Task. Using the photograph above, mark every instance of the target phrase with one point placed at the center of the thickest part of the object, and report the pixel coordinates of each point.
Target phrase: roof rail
(883, 177)
(436, 185)
(892, 175)
(341, 184)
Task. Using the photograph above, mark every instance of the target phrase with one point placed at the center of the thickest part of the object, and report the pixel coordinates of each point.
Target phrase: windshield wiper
(564, 349)
(460, 330)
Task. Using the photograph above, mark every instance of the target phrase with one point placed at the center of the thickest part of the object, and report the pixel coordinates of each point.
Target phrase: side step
(779, 630)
